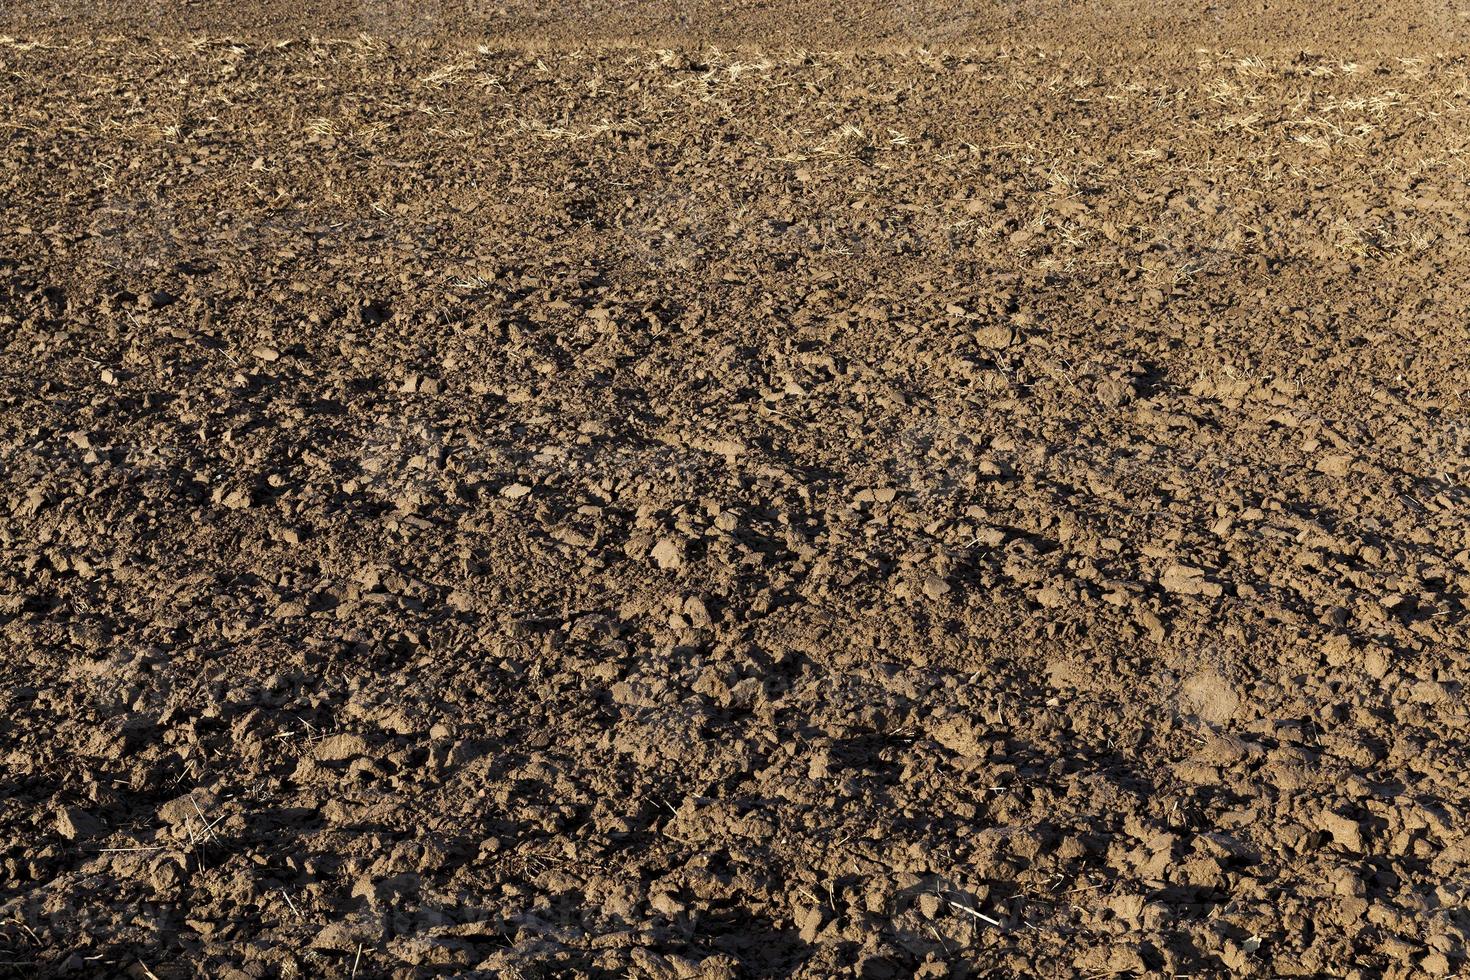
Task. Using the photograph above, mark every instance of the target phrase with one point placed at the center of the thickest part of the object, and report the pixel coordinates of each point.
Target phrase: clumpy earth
(546, 500)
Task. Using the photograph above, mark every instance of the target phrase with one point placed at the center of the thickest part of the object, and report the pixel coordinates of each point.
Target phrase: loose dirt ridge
(605, 491)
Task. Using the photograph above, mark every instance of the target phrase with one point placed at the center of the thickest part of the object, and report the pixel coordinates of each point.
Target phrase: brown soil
(873, 492)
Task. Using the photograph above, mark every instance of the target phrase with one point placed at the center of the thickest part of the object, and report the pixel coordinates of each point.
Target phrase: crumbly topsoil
(511, 508)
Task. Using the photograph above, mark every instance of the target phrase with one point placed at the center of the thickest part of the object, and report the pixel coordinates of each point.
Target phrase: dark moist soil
(518, 506)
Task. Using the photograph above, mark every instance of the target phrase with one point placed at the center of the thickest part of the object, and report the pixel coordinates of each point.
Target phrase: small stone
(515, 491)
(266, 354)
